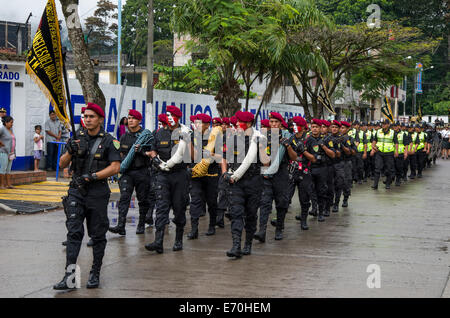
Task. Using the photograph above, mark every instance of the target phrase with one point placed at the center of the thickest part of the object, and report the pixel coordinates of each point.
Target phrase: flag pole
(66, 84)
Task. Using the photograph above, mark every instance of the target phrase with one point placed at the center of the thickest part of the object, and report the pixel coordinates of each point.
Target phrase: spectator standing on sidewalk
(7, 152)
(2, 114)
(38, 148)
(53, 131)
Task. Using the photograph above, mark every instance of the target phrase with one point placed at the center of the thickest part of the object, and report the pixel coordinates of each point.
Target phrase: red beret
(135, 114)
(97, 109)
(245, 117)
(175, 111)
(299, 121)
(226, 120)
(193, 118)
(233, 120)
(204, 118)
(265, 123)
(344, 123)
(217, 120)
(316, 121)
(285, 125)
(337, 123)
(83, 109)
(277, 116)
(163, 118)
(326, 122)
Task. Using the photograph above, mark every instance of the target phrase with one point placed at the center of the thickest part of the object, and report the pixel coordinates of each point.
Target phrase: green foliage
(135, 31)
(437, 102)
(103, 24)
(199, 77)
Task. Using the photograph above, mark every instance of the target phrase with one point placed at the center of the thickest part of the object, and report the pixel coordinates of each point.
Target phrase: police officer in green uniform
(400, 161)
(422, 150)
(95, 157)
(361, 152)
(384, 148)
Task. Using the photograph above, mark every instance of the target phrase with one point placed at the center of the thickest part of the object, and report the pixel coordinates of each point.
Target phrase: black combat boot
(236, 248)
(261, 235)
(149, 218)
(327, 211)
(178, 246)
(321, 218)
(335, 208)
(345, 202)
(140, 229)
(62, 285)
(248, 243)
(212, 225)
(398, 181)
(64, 243)
(313, 211)
(375, 182)
(157, 245)
(281, 214)
(94, 279)
(303, 222)
(90, 243)
(120, 228)
(219, 222)
(194, 230)
(298, 217)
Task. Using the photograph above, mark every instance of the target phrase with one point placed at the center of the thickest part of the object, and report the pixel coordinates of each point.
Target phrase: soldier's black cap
(397, 123)
(416, 126)
(402, 125)
(356, 122)
(363, 123)
(386, 121)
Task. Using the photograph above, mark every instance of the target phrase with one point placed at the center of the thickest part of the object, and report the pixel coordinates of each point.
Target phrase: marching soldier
(354, 159)
(204, 183)
(412, 150)
(276, 183)
(241, 168)
(300, 173)
(329, 142)
(319, 168)
(168, 152)
(137, 176)
(384, 148)
(348, 150)
(338, 165)
(95, 157)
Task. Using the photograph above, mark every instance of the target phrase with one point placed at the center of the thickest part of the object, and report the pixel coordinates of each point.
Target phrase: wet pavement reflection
(404, 231)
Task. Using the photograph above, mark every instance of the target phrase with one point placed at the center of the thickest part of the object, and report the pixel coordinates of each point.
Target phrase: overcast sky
(18, 10)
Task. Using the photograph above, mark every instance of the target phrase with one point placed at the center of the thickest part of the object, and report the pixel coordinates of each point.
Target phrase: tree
(199, 77)
(135, 26)
(231, 31)
(376, 53)
(103, 24)
(84, 69)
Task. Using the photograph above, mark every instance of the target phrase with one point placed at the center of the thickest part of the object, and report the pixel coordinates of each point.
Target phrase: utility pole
(149, 110)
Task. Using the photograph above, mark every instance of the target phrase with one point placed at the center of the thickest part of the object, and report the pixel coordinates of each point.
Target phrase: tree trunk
(84, 69)
(228, 98)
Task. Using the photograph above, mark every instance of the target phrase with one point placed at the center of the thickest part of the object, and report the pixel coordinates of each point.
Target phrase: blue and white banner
(419, 68)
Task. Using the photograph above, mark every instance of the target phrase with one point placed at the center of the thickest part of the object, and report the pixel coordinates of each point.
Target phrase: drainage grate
(24, 207)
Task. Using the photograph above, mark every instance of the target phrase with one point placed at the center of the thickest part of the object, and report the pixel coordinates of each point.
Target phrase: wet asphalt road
(405, 230)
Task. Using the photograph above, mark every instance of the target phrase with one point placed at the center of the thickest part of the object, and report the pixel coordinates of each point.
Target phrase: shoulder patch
(330, 144)
(116, 144)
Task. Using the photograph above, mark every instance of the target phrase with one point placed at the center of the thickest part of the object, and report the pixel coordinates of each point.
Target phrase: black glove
(89, 177)
(285, 142)
(72, 146)
(320, 142)
(226, 177)
(156, 162)
(301, 148)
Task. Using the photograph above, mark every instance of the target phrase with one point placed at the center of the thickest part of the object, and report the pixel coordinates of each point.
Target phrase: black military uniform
(222, 198)
(348, 142)
(274, 189)
(171, 190)
(89, 200)
(331, 143)
(244, 195)
(204, 191)
(339, 173)
(137, 176)
(319, 172)
(300, 176)
(384, 157)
